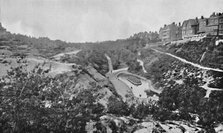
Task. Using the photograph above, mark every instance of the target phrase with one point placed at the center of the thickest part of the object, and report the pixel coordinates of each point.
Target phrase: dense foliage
(34, 102)
(42, 46)
(123, 53)
(188, 99)
(204, 52)
(184, 100)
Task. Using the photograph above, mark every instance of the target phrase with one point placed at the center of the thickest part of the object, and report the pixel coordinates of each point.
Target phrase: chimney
(179, 24)
(213, 14)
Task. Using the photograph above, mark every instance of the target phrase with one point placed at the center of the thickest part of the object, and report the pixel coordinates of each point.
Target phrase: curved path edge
(188, 62)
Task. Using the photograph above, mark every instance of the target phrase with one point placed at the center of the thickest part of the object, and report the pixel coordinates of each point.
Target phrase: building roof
(190, 22)
(169, 26)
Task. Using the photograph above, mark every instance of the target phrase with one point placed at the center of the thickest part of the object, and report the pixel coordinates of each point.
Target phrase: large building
(193, 28)
(212, 25)
(220, 23)
(171, 32)
(202, 25)
(189, 28)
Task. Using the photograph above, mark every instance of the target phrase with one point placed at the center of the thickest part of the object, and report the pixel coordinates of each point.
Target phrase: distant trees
(96, 58)
(147, 37)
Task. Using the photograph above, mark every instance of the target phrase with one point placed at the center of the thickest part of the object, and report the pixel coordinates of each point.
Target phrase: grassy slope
(193, 51)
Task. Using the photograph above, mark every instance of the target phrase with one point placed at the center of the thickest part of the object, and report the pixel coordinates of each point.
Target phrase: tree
(35, 102)
(117, 106)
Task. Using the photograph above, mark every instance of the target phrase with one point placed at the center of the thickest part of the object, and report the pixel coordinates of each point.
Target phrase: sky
(98, 20)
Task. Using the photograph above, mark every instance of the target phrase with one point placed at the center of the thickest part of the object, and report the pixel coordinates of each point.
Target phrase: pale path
(142, 64)
(188, 62)
(55, 66)
(123, 86)
(121, 69)
(66, 53)
(109, 63)
(205, 86)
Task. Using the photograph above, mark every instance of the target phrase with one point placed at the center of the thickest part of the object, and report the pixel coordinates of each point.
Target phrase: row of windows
(211, 29)
(211, 22)
(221, 32)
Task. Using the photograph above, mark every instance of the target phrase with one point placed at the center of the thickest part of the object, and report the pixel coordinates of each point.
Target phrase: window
(221, 32)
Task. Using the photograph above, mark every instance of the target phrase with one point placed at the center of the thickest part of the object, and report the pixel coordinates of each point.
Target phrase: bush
(34, 102)
(117, 106)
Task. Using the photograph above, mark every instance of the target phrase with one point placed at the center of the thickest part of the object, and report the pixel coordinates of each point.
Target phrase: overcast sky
(98, 20)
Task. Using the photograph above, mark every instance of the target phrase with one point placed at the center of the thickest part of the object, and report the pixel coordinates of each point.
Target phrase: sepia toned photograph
(111, 66)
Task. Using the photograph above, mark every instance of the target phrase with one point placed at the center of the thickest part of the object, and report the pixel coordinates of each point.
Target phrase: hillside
(204, 52)
(128, 85)
(42, 46)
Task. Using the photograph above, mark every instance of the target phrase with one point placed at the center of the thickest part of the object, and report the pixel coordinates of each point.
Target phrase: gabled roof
(169, 26)
(190, 22)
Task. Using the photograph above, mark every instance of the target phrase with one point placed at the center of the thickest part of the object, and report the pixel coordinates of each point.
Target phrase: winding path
(110, 67)
(58, 56)
(188, 62)
(205, 86)
(142, 64)
(56, 66)
(123, 86)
